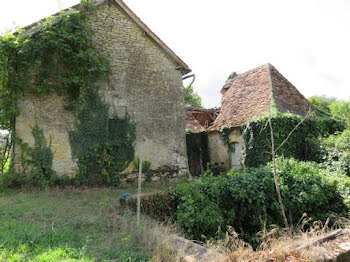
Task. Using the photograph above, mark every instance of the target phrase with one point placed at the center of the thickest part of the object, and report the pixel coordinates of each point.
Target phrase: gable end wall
(144, 82)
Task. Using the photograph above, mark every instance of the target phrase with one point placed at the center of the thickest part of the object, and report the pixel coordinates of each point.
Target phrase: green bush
(199, 211)
(303, 144)
(246, 199)
(336, 152)
(10, 179)
(159, 205)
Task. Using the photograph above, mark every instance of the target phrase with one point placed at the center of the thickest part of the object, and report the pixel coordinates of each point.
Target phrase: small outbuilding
(246, 97)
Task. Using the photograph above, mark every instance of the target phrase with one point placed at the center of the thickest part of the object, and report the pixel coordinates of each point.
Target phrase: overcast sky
(308, 41)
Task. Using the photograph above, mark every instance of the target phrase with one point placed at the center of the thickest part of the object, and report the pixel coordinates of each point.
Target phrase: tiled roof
(248, 95)
(198, 119)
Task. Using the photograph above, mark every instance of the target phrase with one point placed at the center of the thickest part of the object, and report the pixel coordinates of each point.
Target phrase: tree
(341, 109)
(322, 103)
(191, 97)
(332, 106)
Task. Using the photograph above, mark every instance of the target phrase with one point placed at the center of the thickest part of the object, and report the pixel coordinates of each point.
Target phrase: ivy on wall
(36, 161)
(302, 144)
(102, 146)
(58, 55)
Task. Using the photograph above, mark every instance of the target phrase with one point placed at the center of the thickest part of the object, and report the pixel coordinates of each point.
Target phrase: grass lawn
(74, 225)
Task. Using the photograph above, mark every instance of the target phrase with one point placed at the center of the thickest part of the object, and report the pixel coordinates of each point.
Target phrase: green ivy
(303, 144)
(59, 56)
(102, 146)
(37, 160)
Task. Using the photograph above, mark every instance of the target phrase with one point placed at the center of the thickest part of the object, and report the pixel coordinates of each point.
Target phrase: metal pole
(139, 193)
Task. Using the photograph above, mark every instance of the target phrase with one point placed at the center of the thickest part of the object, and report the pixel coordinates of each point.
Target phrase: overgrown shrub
(336, 152)
(36, 161)
(245, 199)
(303, 144)
(199, 211)
(159, 205)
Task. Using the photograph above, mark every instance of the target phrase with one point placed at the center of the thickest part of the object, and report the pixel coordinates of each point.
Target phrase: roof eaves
(182, 66)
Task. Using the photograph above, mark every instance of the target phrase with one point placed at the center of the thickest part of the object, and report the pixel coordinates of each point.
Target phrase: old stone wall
(144, 83)
(220, 154)
(48, 112)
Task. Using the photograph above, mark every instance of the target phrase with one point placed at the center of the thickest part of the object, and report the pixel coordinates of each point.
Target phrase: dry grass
(279, 244)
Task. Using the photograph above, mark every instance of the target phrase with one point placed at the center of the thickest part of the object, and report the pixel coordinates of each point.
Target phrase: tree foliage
(332, 106)
(322, 103)
(191, 97)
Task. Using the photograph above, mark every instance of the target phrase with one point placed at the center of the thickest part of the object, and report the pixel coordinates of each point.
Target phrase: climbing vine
(302, 144)
(36, 161)
(58, 55)
(102, 146)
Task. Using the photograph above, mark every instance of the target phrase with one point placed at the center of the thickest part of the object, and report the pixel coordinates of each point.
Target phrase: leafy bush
(199, 211)
(160, 205)
(246, 199)
(303, 144)
(336, 152)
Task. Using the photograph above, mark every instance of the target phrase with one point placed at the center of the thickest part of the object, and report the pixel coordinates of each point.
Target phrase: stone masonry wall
(144, 82)
(219, 151)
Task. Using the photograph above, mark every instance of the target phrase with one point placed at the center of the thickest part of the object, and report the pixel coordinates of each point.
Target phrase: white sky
(308, 41)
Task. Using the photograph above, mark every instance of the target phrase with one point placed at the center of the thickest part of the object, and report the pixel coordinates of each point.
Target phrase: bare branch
(295, 128)
(275, 175)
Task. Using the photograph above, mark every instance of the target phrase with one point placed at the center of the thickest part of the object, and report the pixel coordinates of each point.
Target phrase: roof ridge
(228, 82)
(182, 66)
(268, 65)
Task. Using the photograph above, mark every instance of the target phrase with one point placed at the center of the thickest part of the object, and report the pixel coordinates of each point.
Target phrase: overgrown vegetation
(303, 144)
(335, 149)
(102, 146)
(146, 168)
(191, 97)
(332, 106)
(247, 199)
(58, 55)
(37, 160)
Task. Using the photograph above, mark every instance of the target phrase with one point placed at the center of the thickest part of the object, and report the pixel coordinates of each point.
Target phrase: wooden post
(139, 193)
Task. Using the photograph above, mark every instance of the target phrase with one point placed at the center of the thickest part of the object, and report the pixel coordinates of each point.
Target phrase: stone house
(145, 82)
(245, 97)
